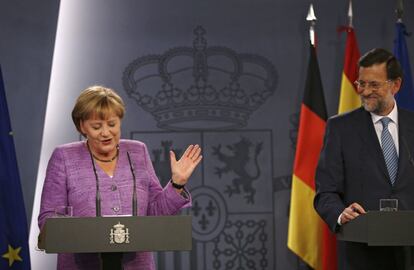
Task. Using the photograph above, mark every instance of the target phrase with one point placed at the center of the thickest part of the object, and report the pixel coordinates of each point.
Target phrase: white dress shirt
(392, 126)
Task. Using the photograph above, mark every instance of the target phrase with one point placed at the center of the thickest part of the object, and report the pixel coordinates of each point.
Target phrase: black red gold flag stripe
(308, 235)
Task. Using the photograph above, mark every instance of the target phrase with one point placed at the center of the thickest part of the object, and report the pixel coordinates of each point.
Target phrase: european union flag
(14, 249)
(405, 97)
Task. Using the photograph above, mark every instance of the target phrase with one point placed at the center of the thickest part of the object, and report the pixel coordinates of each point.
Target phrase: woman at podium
(97, 176)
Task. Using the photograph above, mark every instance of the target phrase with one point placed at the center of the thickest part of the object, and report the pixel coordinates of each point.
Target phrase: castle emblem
(200, 87)
(119, 234)
(161, 161)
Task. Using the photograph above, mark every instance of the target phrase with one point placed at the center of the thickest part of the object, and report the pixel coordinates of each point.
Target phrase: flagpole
(311, 240)
(312, 19)
(399, 10)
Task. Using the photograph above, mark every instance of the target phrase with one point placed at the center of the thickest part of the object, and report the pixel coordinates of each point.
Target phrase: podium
(111, 236)
(380, 228)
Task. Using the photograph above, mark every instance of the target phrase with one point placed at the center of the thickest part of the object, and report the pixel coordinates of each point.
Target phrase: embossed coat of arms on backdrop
(205, 94)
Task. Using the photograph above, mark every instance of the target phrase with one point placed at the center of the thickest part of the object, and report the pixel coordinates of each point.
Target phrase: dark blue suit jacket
(352, 169)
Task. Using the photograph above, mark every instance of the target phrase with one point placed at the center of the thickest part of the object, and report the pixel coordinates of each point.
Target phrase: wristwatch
(177, 186)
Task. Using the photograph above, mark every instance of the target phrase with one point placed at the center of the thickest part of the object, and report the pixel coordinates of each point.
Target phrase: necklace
(105, 160)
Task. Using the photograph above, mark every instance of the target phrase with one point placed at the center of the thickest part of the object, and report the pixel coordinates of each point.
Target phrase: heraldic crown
(200, 87)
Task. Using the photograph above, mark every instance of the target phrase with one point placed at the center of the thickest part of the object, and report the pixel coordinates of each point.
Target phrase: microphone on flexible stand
(98, 194)
(134, 194)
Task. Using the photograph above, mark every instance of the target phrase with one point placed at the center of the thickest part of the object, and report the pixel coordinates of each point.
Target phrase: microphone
(98, 194)
(134, 194)
(410, 158)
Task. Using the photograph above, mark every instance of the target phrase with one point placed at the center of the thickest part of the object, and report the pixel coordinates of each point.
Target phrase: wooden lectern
(111, 236)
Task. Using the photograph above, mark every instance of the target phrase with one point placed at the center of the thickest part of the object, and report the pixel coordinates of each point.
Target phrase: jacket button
(113, 187)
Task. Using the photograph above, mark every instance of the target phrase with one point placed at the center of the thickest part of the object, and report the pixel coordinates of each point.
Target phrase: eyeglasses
(373, 85)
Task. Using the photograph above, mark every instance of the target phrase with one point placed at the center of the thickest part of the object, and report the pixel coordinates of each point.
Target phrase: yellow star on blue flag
(12, 255)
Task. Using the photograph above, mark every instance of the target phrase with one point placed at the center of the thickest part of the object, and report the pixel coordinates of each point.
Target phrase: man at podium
(368, 156)
(96, 177)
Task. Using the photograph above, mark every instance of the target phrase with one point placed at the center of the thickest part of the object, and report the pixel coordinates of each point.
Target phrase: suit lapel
(405, 137)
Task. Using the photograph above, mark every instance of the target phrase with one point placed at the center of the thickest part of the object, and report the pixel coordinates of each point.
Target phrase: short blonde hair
(97, 101)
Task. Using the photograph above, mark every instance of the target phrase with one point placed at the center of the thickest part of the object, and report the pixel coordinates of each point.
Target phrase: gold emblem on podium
(119, 234)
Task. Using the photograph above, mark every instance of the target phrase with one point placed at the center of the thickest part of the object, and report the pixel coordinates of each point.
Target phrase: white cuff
(339, 220)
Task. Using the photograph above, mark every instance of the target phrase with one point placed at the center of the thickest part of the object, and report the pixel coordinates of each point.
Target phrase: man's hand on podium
(351, 212)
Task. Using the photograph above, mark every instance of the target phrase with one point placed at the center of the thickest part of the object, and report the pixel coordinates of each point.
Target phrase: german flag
(349, 99)
(308, 236)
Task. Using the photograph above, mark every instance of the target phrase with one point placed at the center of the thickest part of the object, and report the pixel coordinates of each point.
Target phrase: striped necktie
(389, 150)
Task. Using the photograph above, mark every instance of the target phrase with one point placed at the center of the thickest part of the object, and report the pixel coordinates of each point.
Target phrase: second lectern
(380, 228)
